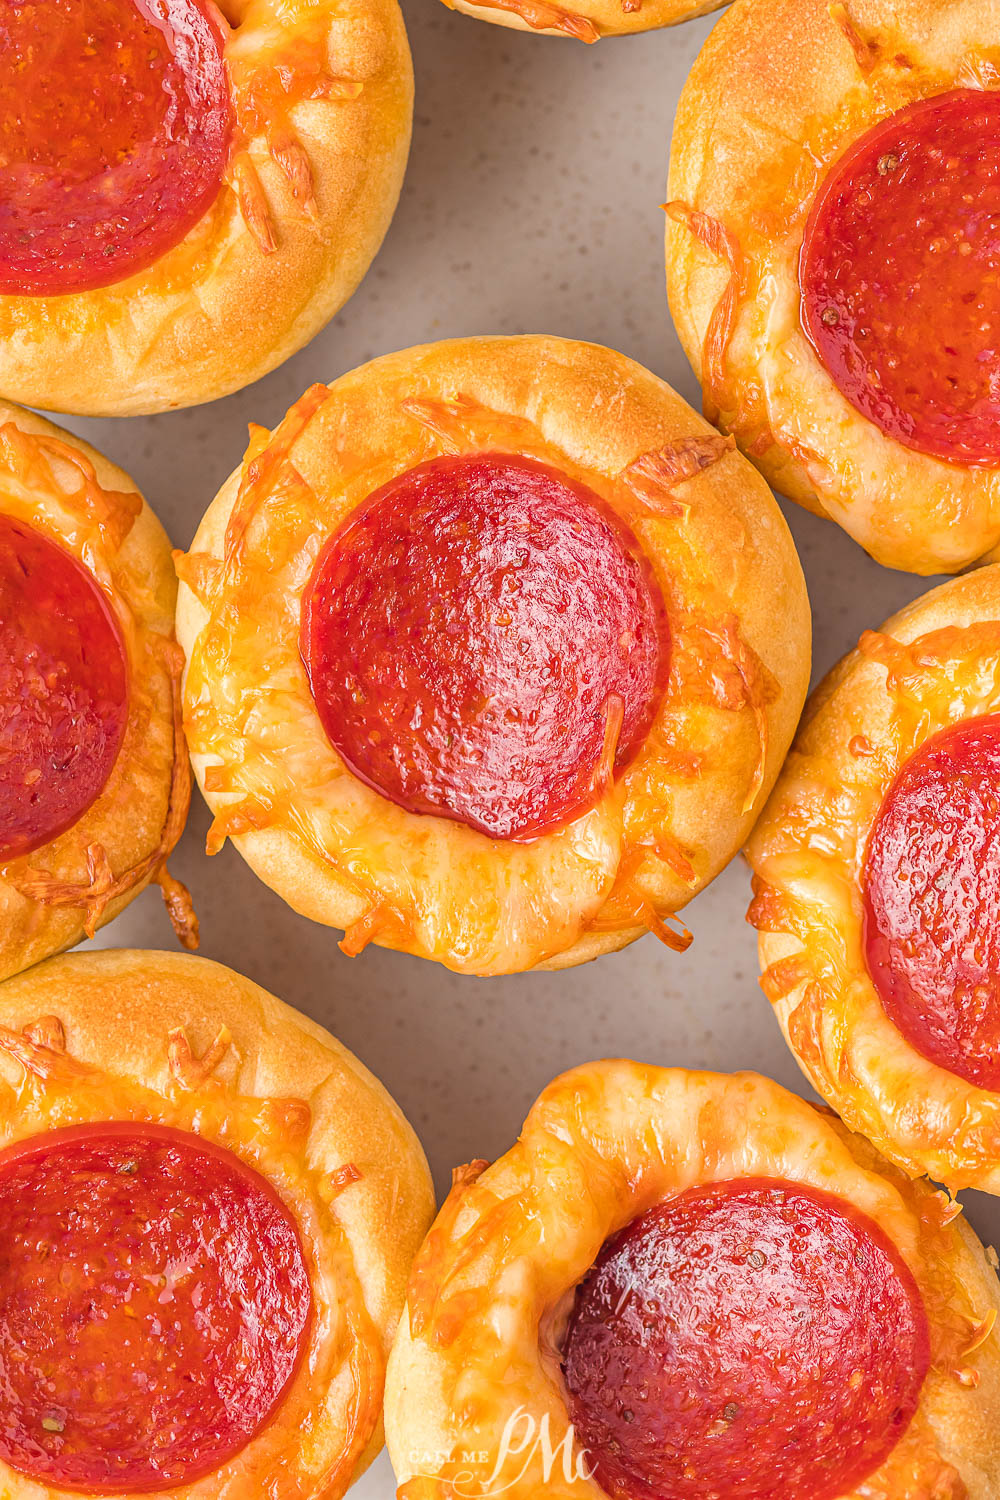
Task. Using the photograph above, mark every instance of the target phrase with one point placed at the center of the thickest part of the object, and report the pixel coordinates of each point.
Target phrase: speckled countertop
(532, 205)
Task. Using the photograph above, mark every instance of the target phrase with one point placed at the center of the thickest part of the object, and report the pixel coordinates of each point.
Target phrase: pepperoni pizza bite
(484, 658)
(188, 190)
(833, 264)
(877, 887)
(210, 1209)
(94, 774)
(586, 20)
(686, 1285)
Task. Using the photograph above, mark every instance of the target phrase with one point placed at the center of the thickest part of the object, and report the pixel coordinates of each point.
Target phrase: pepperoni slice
(745, 1340)
(115, 126)
(932, 901)
(470, 631)
(63, 689)
(900, 276)
(154, 1301)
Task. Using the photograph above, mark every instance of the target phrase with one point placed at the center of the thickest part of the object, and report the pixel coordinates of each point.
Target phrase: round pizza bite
(493, 650)
(833, 265)
(210, 1209)
(586, 20)
(188, 190)
(877, 886)
(689, 1285)
(94, 775)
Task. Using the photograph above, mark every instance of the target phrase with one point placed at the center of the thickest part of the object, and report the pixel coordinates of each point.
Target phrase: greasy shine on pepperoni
(63, 689)
(115, 126)
(467, 634)
(932, 901)
(154, 1301)
(900, 276)
(741, 1341)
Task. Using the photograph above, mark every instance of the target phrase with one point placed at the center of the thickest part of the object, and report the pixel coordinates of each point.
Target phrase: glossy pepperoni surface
(153, 1304)
(932, 901)
(63, 689)
(900, 276)
(469, 631)
(742, 1341)
(115, 126)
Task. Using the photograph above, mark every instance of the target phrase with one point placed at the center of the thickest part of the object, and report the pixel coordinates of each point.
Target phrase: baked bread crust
(492, 1287)
(929, 666)
(586, 20)
(780, 90)
(340, 853)
(180, 1041)
(311, 187)
(54, 896)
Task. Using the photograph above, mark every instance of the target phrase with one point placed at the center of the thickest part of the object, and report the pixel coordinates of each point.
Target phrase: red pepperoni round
(63, 689)
(900, 276)
(115, 126)
(932, 901)
(467, 634)
(154, 1301)
(745, 1340)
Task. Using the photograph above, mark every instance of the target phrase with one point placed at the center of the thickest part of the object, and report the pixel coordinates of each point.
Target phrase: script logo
(525, 1442)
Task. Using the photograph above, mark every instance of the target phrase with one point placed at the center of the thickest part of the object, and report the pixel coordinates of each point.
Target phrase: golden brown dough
(342, 854)
(50, 898)
(179, 1041)
(931, 666)
(297, 221)
(586, 20)
(779, 92)
(488, 1303)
